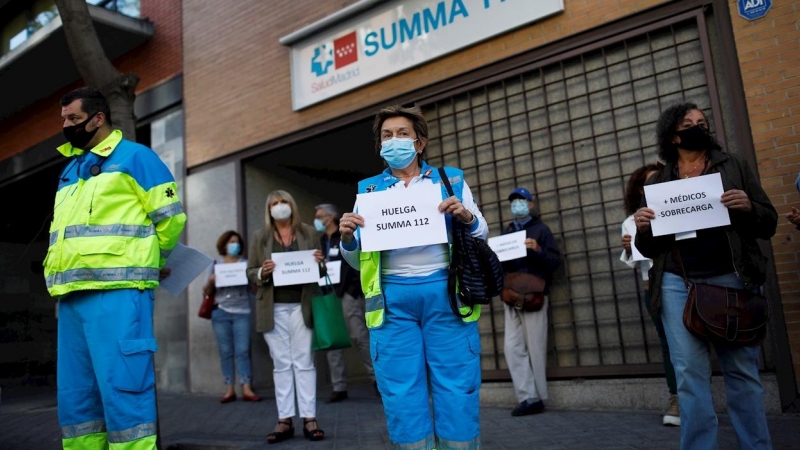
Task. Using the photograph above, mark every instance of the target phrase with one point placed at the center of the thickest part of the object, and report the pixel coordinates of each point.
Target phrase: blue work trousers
(423, 350)
(106, 378)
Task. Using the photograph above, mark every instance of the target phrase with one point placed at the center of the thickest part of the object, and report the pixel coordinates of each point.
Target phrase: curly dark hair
(222, 242)
(665, 130)
(633, 198)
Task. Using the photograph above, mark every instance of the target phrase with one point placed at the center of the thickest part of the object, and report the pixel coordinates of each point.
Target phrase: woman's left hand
(736, 199)
(318, 256)
(454, 207)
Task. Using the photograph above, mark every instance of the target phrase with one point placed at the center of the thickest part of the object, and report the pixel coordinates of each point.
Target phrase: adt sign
(754, 9)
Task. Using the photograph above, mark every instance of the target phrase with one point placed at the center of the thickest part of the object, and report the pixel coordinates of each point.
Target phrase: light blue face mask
(399, 153)
(319, 225)
(519, 208)
(234, 248)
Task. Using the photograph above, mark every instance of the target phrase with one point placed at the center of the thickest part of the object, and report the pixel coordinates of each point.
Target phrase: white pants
(290, 348)
(353, 309)
(526, 351)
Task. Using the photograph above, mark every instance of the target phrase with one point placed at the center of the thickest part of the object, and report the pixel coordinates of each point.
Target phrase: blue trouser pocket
(133, 371)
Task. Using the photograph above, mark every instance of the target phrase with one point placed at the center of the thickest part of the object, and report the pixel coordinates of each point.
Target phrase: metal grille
(573, 130)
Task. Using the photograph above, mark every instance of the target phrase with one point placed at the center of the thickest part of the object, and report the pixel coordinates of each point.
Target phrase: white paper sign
(509, 246)
(334, 273)
(295, 268)
(186, 264)
(402, 218)
(635, 254)
(687, 205)
(230, 274)
(397, 35)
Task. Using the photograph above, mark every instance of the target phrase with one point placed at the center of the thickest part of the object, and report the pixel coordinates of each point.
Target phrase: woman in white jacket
(631, 257)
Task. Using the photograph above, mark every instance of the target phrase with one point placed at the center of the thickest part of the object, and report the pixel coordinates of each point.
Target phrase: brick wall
(769, 54)
(156, 61)
(237, 84)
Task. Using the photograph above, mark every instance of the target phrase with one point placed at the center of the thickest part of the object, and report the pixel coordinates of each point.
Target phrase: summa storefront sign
(399, 35)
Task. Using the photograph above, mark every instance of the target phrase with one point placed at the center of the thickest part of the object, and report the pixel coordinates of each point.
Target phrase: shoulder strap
(446, 181)
(676, 255)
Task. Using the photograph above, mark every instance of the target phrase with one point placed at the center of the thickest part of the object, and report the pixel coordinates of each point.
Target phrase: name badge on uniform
(333, 252)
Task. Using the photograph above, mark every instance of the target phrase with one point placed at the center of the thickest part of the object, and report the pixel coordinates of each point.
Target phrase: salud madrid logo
(340, 53)
(343, 52)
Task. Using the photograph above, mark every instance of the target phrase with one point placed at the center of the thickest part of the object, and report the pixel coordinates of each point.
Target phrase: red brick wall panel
(769, 54)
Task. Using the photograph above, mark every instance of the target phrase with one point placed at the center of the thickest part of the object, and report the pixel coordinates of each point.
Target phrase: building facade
(561, 98)
(563, 101)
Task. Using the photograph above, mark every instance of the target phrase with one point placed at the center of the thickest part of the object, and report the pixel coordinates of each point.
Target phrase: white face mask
(281, 211)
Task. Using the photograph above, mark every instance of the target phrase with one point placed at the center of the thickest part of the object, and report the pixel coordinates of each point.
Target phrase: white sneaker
(672, 417)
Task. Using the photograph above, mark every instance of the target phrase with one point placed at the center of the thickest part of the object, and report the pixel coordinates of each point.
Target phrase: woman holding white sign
(283, 313)
(416, 340)
(231, 321)
(726, 256)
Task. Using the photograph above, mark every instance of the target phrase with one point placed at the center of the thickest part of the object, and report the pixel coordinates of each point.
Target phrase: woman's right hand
(626, 243)
(348, 224)
(642, 218)
(267, 268)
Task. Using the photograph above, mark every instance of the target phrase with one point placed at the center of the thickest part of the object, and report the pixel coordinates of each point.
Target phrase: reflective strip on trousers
(165, 212)
(140, 231)
(82, 429)
(474, 444)
(426, 444)
(110, 274)
(131, 434)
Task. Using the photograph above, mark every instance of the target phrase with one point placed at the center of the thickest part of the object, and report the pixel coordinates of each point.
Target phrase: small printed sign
(334, 273)
(509, 246)
(230, 274)
(295, 268)
(687, 205)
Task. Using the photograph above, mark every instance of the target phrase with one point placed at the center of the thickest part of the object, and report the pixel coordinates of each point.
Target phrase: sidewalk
(28, 421)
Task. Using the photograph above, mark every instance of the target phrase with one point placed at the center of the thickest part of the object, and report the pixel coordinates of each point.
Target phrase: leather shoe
(228, 398)
(337, 396)
(251, 398)
(525, 408)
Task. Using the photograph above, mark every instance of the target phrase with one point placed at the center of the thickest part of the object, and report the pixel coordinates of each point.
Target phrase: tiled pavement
(28, 421)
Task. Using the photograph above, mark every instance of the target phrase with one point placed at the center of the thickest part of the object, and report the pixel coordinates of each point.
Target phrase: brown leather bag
(523, 291)
(735, 317)
(726, 316)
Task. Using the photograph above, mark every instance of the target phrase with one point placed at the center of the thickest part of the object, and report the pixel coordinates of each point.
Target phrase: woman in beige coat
(283, 314)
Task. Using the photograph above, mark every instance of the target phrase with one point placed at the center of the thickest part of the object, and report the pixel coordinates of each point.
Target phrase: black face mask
(694, 138)
(77, 134)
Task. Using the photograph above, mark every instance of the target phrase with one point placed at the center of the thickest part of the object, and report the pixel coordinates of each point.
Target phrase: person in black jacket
(326, 222)
(726, 256)
(526, 331)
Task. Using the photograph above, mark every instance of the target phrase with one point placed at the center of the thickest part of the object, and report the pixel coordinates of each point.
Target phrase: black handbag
(475, 274)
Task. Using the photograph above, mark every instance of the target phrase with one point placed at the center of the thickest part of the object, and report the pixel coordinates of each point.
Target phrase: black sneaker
(337, 396)
(525, 408)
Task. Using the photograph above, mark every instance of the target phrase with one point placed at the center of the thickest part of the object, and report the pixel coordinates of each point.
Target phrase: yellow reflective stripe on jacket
(113, 229)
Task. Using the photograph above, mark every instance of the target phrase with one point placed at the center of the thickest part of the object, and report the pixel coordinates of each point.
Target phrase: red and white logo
(344, 50)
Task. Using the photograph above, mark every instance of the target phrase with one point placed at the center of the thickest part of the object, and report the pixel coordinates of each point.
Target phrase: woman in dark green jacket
(725, 256)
